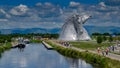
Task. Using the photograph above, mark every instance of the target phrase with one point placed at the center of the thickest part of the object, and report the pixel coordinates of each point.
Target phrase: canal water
(37, 56)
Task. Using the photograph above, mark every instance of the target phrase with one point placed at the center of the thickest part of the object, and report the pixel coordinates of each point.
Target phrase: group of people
(103, 51)
(67, 44)
(114, 48)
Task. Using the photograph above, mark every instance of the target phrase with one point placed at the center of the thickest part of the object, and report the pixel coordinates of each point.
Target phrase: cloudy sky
(53, 13)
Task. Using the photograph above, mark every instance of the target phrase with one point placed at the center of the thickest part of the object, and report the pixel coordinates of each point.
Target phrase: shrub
(99, 39)
(5, 47)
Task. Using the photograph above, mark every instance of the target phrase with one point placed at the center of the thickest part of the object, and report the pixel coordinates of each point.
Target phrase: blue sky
(53, 13)
(33, 2)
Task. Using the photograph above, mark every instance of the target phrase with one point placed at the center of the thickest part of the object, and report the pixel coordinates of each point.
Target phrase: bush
(99, 39)
(5, 47)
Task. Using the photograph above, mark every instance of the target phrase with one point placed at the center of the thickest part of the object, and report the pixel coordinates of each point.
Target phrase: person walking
(113, 48)
(98, 50)
(107, 50)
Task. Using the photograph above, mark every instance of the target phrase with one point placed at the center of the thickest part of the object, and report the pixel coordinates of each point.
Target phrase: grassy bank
(4, 47)
(35, 41)
(101, 61)
(90, 45)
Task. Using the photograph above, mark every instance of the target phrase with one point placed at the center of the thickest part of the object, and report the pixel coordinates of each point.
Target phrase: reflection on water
(36, 56)
(21, 47)
(78, 63)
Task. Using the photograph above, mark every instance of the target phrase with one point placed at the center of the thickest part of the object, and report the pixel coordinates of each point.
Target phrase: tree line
(99, 37)
(8, 37)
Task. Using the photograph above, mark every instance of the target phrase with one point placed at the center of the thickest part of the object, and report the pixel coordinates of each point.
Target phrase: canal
(37, 56)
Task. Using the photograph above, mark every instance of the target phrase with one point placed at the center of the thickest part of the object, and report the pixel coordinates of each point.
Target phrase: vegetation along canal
(37, 56)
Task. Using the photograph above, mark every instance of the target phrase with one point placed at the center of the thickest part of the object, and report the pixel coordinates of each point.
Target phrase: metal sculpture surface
(73, 28)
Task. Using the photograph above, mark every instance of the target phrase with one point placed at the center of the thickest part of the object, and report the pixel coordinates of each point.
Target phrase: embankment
(95, 59)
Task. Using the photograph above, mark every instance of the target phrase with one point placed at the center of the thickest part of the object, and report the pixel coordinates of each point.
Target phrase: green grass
(36, 41)
(90, 45)
(7, 46)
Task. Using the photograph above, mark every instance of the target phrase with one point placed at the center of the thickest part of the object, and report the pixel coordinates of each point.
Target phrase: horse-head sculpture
(73, 28)
(84, 18)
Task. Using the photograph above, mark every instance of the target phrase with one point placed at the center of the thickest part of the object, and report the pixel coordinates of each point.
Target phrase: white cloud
(102, 4)
(1, 10)
(48, 4)
(19, 10)
(74, 4)
(50, 16)
(38, 4)
(35, 17)
(61, 11)
(2, 20)
(6, 14)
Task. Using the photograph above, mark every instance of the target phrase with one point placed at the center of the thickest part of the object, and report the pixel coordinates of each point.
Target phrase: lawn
(90, 45)
(36, 41)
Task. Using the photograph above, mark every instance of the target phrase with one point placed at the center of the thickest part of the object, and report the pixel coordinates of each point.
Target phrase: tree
(95, 34)
(110, 39)
(99, 39)
(106, 34)
(104, 38)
